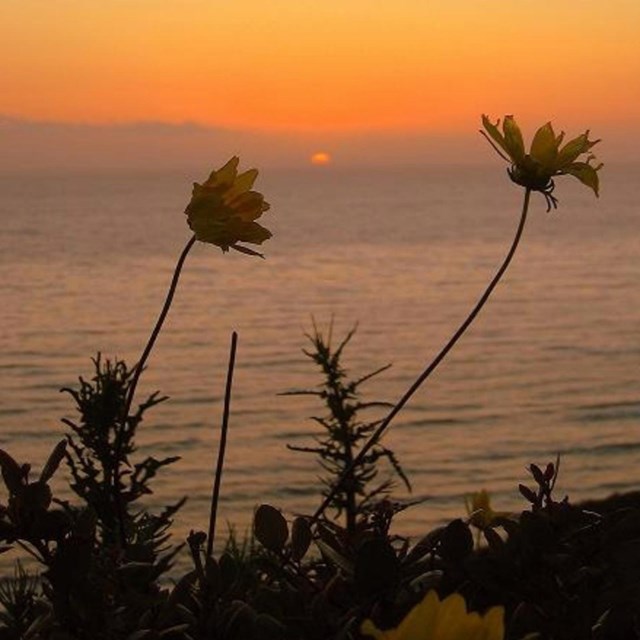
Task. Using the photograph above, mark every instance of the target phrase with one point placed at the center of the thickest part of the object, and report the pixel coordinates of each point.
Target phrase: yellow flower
(535, 170)
(223, 210)
(432, 619)
(481, 514)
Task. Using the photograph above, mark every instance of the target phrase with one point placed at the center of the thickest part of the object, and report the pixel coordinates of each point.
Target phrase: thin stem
(215, 494)
(431, 368)
(120, 508)
(156, 330)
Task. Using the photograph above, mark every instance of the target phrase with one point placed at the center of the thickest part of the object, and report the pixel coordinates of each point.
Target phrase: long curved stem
(158, 326)
(375, 437)
(117, 495)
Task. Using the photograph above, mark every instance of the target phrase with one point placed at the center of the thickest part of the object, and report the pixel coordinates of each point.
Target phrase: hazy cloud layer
(155, 145)
(25, 145)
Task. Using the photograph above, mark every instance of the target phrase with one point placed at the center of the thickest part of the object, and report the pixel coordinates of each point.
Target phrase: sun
(320, 158)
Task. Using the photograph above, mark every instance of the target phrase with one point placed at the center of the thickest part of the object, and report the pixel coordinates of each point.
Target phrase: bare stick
(223, 444)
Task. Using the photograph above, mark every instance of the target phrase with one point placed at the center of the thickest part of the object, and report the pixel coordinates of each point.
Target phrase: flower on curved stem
(433, 619)
(546, 158)
(223, 210)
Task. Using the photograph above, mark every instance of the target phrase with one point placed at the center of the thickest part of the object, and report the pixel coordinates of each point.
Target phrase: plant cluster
(554, 571)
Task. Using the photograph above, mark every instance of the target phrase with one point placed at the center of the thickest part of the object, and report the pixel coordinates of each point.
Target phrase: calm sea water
(550, 366)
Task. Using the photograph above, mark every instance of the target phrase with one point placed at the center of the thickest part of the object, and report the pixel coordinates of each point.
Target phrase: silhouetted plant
(20, 603)
(345, 433)
(555, 570)
(99, 456)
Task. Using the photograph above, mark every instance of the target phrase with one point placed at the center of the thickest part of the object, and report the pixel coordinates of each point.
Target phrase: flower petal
(370, 629)
(494, 624)
(244, 181)
(254, 233)
(513, 139)
(249, 205)
(544, 148)
(495, 138)
(225, 175)
(242, 249)
(574, 148)
(421, 620)
(586, 173)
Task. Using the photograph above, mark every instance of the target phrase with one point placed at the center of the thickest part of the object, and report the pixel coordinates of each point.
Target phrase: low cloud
(158, 145)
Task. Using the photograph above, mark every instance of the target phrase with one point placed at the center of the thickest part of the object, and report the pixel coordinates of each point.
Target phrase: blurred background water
(550, 367)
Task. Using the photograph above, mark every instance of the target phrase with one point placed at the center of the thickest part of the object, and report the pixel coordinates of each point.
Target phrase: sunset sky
(305, 69)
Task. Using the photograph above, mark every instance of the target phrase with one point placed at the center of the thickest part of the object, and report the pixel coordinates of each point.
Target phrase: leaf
(11, 473)
(270, 528)
(300, 538)
(54, 461)
(528, 494)
(549, 471)
(377, 568)
(456, 542)
(424, 546)
(335, 557)
(537, 474)
(178, 628)
(494, 540)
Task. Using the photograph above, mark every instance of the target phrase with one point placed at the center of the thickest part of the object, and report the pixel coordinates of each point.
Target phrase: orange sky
(335, 64)
(371, 81)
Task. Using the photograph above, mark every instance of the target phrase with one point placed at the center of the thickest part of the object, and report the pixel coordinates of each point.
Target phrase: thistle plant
(345, 433)
(534, 171)
(100, 452)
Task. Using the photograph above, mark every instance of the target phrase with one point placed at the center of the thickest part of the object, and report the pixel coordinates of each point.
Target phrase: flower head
(223, 210)
(433, 619)
(481, 513)
(546, 158)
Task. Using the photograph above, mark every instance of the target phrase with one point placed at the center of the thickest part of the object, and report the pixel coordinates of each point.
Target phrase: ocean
(551, 365)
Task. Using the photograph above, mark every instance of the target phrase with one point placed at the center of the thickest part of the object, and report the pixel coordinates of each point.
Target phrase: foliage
(553, 571)
(103, 560)
(101, 445)
(345, 433)
(558, 571)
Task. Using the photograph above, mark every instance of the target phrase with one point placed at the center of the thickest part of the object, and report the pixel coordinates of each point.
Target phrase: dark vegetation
(106, 563)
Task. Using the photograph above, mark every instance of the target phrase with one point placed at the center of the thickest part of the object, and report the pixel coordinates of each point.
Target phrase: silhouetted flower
(432, 619)
(535, 170)
(223, 210)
